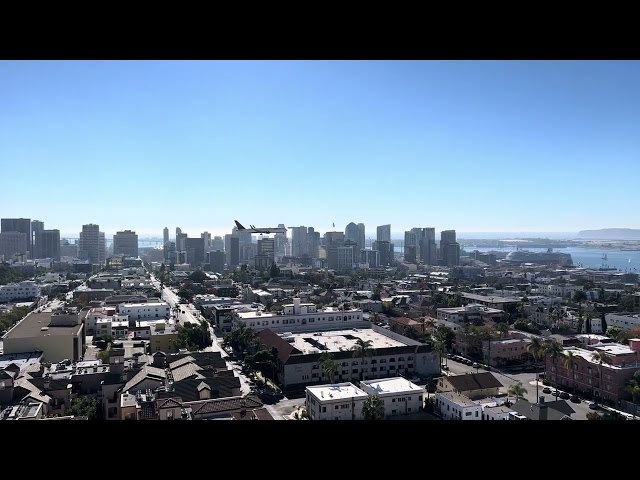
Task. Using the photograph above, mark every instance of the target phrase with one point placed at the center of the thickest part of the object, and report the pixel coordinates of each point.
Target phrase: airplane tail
(240, 227)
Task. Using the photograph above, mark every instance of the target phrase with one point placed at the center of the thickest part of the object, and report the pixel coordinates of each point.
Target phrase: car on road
(565, 396)
(575, 399)
(475, 365)
(594, 406)
(546, 390)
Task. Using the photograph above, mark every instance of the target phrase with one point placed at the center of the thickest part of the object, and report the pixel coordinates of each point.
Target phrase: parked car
(575, 399)
(594, 406)
(546, 390)
(565, 396)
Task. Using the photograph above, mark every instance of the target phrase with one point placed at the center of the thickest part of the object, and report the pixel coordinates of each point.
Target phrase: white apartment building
(340, 401)
(400, 396)
(625, 321)
(26, 290)
(497, 412)
(146, 311)
(301, 316)
(453, 406)
(565, 291)
(469, 312)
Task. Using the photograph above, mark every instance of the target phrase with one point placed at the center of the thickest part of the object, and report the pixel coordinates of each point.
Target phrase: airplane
(261, 231)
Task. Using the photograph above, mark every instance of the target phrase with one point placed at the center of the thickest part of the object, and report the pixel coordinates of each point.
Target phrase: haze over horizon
(475, 146)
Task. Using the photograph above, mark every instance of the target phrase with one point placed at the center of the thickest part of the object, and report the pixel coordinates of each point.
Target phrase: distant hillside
(611, 234)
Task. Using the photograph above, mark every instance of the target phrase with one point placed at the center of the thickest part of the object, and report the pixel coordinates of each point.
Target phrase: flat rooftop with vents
(39, 325)
(392, 385)
(338, 340)
(338, 391)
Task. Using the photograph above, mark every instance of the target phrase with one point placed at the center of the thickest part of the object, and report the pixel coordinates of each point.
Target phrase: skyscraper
(165, 235)
(22, 225)
(49, 246)
(92, 244)
(37, 227)
(361, 237)
(353, 232)
(449, 248)
(383, 233)
(125, 243)
(206, 238)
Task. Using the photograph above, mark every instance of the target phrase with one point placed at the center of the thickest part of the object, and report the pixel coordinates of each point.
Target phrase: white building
(400, 396)
(453, 406)
(469, 312)
(301, 316)
(146, 311)
(341, 401)
(565, 291)
(26, 290)
(626, 322)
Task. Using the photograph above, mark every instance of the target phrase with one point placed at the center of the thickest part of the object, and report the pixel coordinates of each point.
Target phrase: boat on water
(544, 258)
(604, 256)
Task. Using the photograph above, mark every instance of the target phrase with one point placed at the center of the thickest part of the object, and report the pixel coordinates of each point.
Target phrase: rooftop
(458, 399)
(337, 340)
(39, 325)
(338, 391)
(588, 354)
(22, 360)
(392, 385)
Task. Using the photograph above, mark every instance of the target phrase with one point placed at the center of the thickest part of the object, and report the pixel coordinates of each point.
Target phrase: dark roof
(54, 384)
(170, 402)
(202, 359)
(561, 406)
(223, 405)
(262, 414)
(5, 375)
(474, 381)
(12, 367)
(532, 411)
(271, 339)
(188, 391)
(113, 379)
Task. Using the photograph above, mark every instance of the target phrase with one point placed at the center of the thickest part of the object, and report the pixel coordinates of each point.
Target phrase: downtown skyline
(475, 146)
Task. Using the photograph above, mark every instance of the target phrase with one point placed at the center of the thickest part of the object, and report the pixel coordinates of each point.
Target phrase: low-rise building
(453, 406)
(27, 290)
(58, 336)
(400, 396)
(164, 337)
(341, 401)
(470, 313)
(624, 321)
(145, 311)
(472, 385)
(391, 355)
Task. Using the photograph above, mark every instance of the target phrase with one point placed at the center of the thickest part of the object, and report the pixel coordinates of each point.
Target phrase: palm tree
(555, 315)
(633, 387)
(373, 408)
(554, 350)
(363, 349)
(429, 323)
(600, 357)
(441, 348)
(569, 363)
(517, 390)
(329, 366)
(535, 348)
(502, 328)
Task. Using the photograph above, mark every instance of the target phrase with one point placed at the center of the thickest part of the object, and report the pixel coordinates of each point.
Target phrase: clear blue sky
(476, 146)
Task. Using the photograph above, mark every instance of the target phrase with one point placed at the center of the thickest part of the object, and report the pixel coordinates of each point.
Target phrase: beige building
(58, 336)
(164, 337)
(472, 385)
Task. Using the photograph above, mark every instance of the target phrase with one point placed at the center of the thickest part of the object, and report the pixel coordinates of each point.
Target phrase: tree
(373, 408)
(83, 299)
(444, 334)
(240, 339)
(502, 328)
(569, 363)
(84, 407)
(194, 337)
(536, 349)
(362, 349)
(600, 357)
(185, 294)
(198, 276)
(440, 347)
(329, 366)
(633, 387)
(580, 296)
(516, 390)
(554, 350)
(104, 354)
(594, 416)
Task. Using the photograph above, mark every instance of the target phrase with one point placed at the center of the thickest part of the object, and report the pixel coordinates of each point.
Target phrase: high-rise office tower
(383, 233)
(13, 243)
(169, 250)
(352, 232)
(449, 248)
(217, 243)
(22, 225)
(298, 241)
(37, 227)
(125, 243)
(426, 245)
(385, 252)
(361, 237)
(195, 251)
(206, 238)
(180, 241)
(165, 235)
(49, 246)
(92, 244)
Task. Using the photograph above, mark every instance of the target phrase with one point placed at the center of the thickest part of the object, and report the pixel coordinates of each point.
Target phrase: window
(468, 414)
(324, 409)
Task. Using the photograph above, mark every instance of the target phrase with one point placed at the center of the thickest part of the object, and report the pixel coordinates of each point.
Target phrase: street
(528, 380)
